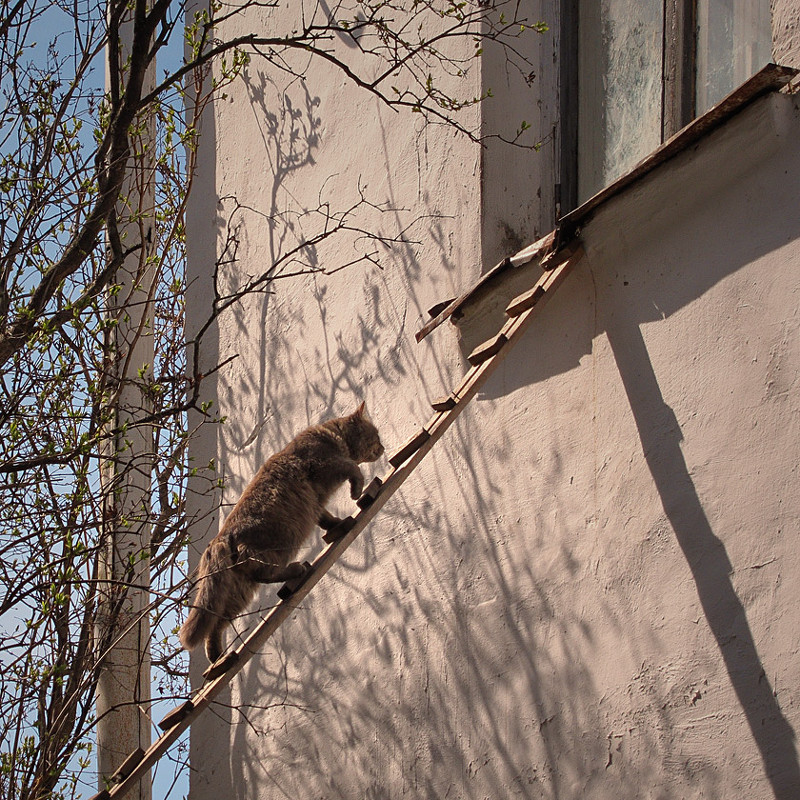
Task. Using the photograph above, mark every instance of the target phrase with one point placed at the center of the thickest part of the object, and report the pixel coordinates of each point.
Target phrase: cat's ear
(361, 411)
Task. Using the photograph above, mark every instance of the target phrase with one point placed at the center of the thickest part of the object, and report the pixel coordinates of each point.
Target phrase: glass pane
(734, 40)
(619, 88)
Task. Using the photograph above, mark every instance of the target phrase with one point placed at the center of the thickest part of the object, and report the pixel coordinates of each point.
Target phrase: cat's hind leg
(328, 521)
(258, 566)
(273, 573)
(214, 642)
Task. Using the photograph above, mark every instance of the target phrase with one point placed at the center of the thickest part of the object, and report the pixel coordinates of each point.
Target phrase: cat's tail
(196, 628)
(208, 608)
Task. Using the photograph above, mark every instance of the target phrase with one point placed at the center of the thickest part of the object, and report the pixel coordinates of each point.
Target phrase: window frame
(679, 53)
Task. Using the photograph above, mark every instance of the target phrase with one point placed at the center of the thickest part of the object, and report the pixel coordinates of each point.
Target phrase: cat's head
(362, 436)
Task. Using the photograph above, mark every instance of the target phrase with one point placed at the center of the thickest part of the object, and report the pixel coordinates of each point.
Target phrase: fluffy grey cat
(274, 516)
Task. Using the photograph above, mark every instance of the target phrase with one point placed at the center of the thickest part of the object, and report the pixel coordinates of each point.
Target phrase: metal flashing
(770, 78)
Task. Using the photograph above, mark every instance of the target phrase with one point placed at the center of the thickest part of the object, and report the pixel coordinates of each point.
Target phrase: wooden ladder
(483, 360)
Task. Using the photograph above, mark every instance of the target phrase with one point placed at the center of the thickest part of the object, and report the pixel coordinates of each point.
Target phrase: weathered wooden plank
(345, 526)
(445, 403)
(488, 349)
(221, 665)
(410, 447)
(291, 586)
(128, 765)
(524, 256)
(476, 376)
(176, 715)
(525, 301)
(370, 493)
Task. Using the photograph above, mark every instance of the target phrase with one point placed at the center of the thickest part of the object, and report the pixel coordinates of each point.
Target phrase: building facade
(588, 588)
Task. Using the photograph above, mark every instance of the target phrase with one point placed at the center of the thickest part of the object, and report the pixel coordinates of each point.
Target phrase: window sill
(770, 79)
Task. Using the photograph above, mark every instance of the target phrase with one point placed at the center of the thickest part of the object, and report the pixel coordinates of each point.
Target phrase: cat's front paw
(296, 570)
(356, 487)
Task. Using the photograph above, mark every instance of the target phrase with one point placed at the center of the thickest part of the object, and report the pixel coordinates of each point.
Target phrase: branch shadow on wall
(329, 677)
(330, 705)
(222, 226)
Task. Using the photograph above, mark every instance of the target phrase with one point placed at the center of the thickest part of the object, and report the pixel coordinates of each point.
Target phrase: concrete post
(123, 692)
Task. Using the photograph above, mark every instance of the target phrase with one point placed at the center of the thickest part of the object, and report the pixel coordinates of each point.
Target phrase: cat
(275, 515)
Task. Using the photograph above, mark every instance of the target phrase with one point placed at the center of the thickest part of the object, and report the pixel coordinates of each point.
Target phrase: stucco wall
(281, 150)
(786, 32)
(660, 395)
(588, 588)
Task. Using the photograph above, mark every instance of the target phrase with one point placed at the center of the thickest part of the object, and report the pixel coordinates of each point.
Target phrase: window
(734, 40)
(636, 71)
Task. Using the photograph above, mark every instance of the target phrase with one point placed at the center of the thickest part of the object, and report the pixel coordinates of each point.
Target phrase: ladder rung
(444, 403)
(290, 587)
(486, 350)
(410, 447)
(128, 765)
(370, 493)
(525, 301)
(221, 665)
(176, 715)
(556, 258)
(341, 529)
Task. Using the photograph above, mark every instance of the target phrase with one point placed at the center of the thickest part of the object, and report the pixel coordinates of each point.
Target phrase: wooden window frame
(679, 59)
(678, 107)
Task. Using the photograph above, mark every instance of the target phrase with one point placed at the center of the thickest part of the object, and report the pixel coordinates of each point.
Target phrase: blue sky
(54, 25)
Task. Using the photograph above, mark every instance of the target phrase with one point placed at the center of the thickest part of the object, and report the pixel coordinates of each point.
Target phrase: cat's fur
(274, 516)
